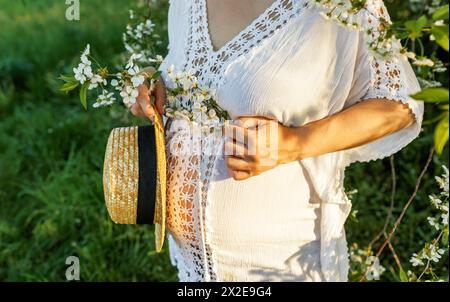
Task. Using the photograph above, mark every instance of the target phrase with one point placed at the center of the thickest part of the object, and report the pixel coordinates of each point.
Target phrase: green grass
(51, 152)
(51, 155)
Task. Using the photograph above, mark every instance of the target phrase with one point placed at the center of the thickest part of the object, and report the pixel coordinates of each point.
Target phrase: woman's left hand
(254, 145)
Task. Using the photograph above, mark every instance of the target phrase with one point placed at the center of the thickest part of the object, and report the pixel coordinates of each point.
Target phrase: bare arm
(357, 125)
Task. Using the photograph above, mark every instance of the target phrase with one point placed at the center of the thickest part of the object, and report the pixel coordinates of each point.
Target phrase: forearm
(355, 126)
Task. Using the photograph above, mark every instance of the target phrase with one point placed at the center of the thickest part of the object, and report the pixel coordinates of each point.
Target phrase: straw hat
(134, 177)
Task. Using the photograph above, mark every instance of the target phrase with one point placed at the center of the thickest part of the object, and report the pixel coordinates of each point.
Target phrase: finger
(145, 102)
(255, 121)
(159, 91)
(236, 133)
(240, 175)
(136, 110)
(236, 149)
(237, 164)
(251, 122)
(248, 122)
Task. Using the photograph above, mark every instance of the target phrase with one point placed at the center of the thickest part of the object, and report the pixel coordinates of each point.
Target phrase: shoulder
(178, 21)
(178, 7)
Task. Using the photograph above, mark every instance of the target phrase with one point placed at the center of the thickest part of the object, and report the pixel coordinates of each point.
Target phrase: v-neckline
(246, 29)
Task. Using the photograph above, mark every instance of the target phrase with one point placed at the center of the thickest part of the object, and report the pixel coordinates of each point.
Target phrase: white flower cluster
(345, 12)
(85, 75)
(125, 82)
(432, 252)
(419, 60)
(129, 91)
(429, 253)
(443, 181)
(440, 202)
(138, 37)
(83, 72)
(104, 99)
(188, 101)
(349, 14)
(374, 268)
(364, 262)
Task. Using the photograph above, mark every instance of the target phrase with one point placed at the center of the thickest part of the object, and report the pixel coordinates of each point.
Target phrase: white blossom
(375, 269)
(423, 62)
(105, 99)
(433, 222)
(129, 95)
(137, 80)
(114, 83)
(416, 260)
(96, 80)
(443, 181)
(83, 72)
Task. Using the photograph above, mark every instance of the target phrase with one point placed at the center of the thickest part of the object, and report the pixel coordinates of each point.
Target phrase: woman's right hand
(143, 106)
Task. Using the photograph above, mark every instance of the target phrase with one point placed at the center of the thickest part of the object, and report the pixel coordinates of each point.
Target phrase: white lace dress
(296, 66)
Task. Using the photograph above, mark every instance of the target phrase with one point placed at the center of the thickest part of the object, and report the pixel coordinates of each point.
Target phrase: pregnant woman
(255, 216)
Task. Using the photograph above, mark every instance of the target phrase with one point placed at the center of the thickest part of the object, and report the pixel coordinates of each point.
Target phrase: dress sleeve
(390, 78)
(177, 25)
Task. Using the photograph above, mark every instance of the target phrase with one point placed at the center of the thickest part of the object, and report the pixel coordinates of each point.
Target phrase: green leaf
(415, 27)
(83, 94)
(403, 276)
(441, 35)
(432, 95)
(445, 239)
(422, 22)
(402, 35)
(156, 75)
(69, 86)
(441, 13)
(441, 135)
(67, 79)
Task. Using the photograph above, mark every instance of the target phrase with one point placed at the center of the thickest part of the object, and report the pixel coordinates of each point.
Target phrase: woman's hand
(255, 145)
(143, 106)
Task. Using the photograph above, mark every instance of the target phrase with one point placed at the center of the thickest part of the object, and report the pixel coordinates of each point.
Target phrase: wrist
(295, 142)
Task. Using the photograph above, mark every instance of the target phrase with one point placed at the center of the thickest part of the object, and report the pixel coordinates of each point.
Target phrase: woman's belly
(275, 207)
(265, 228)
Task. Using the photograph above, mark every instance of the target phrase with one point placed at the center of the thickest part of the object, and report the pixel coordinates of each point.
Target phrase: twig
(391, 206)
(424, 270)
(149, 6)
(405, 208)
(394, 254)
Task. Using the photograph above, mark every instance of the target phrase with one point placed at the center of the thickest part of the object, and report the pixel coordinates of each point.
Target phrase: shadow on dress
(303, 266)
